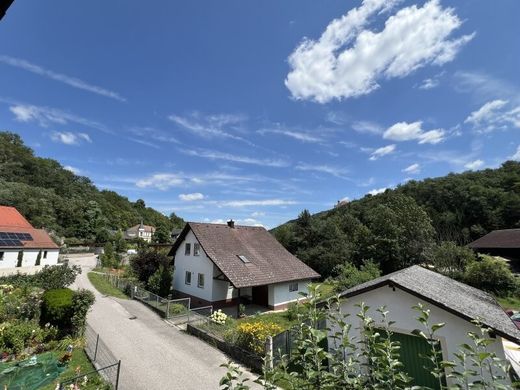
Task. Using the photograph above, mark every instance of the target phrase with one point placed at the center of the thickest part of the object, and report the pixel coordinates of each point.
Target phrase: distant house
(175, 233)
(142, 231)
(504, 243)
(222, 265)
(449, 301)
(20, 240)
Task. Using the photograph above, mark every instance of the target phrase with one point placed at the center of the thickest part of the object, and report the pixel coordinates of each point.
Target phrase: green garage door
(412, 348)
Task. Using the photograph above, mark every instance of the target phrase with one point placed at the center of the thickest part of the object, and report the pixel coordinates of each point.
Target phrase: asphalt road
(154, 355)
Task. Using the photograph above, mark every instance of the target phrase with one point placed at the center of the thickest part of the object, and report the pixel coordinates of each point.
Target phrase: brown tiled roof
(269, 262)
(11, 221)
(457, 298)
(135, 229)
(508, 238)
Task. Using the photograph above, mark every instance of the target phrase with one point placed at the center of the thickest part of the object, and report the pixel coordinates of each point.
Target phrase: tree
(120, 244)
(491, 275)
(162, 234)
(450, 259)
(108, 258)
(147, 262)
(160, 282)
(348, 275)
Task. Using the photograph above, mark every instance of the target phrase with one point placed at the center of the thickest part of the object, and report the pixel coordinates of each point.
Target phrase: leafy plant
(82, 300)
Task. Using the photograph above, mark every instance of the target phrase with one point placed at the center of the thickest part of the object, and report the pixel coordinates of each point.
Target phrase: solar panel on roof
(9, 242)
(12, 236)
(15, 236)
(3, 235)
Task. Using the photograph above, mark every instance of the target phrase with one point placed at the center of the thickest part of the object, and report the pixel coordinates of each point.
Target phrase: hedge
(57, 308)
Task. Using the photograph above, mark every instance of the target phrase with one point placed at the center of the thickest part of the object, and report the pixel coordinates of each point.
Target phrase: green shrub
(82, 300)
(17, 335)
(450, 259)
(491, 275)
(348, 275)
(292, 311)
(177, 308)
(19, 303)
(160, 282)
(57, 308)
(48, 278)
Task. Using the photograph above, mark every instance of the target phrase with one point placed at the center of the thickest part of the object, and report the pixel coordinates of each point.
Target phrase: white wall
(279, 293)
(399, 305)
(196, 265)
(10, 259)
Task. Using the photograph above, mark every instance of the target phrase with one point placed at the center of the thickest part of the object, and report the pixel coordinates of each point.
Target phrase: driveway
(154, 355)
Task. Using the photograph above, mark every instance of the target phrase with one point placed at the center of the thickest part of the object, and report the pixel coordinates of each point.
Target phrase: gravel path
(154, 355)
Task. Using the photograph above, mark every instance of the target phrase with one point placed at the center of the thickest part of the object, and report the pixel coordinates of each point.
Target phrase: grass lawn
(79, 359)
(510, 303)
(104, 287)
(326, 289)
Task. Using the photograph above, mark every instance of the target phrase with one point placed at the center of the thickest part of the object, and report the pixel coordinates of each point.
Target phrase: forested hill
(52, 197)
(398, 227)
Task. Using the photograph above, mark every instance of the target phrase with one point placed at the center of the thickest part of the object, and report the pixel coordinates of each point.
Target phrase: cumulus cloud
(161, 181)
(495, 115)
(516, 156)
(69, 138)
(404, 131)
(376, 191)
(412, 169)
(71, 81)
(383, 151)
(350, 59)
(191, 197)
(474, 164)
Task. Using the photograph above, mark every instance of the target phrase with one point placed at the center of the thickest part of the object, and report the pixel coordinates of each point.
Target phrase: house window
(187, 249)
(44, 254)
(187, 278)
(196, 249)
(293, 287)
(1, 256)
(200, 281)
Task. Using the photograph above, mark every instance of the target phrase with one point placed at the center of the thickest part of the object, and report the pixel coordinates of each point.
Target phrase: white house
(144, 232)
(23, 247)
(222, 265)
(449, 302)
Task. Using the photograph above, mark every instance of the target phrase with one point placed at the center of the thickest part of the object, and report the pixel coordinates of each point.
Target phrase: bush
(147, 262)
(218, 317)
(17, 335)
(450, 259)
(292, 311)
(82, 300)
(57, 308)
(50, 277)
(491, 275)
(348, 275)
(19, 303)
(160, 282)
(177, 308)
(252, 335)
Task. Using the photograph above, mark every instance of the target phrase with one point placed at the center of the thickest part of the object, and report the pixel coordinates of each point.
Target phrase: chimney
(231, 224)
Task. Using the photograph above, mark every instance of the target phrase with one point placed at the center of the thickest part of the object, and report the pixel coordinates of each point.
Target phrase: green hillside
(400, 227)
(52, 197)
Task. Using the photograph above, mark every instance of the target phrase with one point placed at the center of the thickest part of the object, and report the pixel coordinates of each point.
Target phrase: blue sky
(257, 110)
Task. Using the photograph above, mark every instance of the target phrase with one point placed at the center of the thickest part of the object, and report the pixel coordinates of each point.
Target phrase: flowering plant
(219, 317)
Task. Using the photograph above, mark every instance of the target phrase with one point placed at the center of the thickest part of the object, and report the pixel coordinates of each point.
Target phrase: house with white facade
(224, 264)
(142, 231)
(450, 302)
(22, 247)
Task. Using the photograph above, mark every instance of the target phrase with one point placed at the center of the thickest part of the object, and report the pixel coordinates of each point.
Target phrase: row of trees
(408, 225)
(52, 197)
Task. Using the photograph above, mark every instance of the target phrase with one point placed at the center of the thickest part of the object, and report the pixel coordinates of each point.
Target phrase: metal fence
(106, 364)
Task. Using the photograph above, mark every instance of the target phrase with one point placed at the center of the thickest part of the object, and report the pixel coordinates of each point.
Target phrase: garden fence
(105, 363)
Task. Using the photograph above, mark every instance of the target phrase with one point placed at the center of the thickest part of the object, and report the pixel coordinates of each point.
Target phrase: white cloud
(429, 83)
(516, 156)
(215, 155)
(474, 164)
(153, 134)
(367, 127)
(45, 116)
(264, 202)
(257, 214)
(161, 181)
(404, 131)
(334, 171)
(297, 135)
(494, 115)
(383, 151)
(69, 138)
(377, 191)
(71, 81)
(412, 169)
(70, 168)
(349, 59)
(191, 197)
(211, 126)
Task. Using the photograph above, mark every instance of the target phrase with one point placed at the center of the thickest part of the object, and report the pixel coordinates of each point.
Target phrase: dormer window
(187, 249)
(243, 258)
